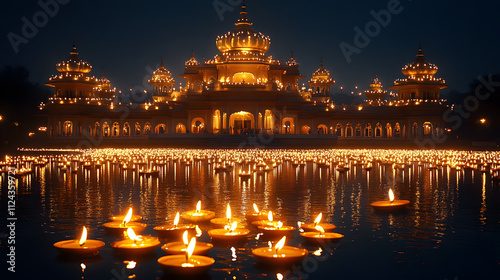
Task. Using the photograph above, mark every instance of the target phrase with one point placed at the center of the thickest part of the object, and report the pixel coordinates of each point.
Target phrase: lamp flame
(185, 238)
(84, 237)
(280, 244)
(255, 208)
(320, 229)
(279, 225)
(190, 249)
(198, 206)
(176, 220)
(198, 231)
(128, 217)
(279, 276)
(270, 216)
(318, 219)
(391, 195)
(228, 213)
(131, 234)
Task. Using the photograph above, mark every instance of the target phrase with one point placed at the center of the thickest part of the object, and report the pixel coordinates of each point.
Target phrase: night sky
(129, 37)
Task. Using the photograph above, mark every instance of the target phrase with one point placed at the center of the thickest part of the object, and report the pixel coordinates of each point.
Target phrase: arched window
(288, 126)
(216, 121)
(116, 129)
(180, 128)
(161, 129)
(388, 130)
(322, 129)
(68, 129)
(105, 129)
(427, 129)
(137, 130)
(397, 130)
(244, 77)
(338, 130)
(348, 130)
(97, 129)
(126, 130)
(358, 130)
(378, 130)
(368, 130)
(147, 128)
(414, 130)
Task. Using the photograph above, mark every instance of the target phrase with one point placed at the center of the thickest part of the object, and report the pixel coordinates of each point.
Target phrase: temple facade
(242, 90)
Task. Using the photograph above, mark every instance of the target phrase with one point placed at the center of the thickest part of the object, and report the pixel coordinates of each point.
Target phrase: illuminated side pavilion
(242, 91)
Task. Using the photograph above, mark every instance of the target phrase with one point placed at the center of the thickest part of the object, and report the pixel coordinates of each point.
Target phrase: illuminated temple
(242, 91)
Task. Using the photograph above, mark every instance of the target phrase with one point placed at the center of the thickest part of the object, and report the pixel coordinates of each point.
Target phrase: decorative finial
(321, 62)
(103, 72)
(291, 52)
(73, 50)
(243, 20)
(161, 63)
(420, 53)
(192, 54)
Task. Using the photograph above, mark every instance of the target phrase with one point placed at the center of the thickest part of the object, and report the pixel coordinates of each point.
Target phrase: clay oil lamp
(175, 231)
(256, 215)
(198, 215)
(268, 222)
(276, 230)
(133, 218)
(221, 222)
(180, 248)
(317, 222)
(229, 234)
(320, 236)
(136, 244)
(187, 264)
(391, 205)
(120, 228)
(280, 255)
(81, 247)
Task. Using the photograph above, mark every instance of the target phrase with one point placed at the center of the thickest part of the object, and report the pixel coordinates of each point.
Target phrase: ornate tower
(320, 84)
(103, 89)
(194, 80)
(375, 93)
(162, 82)
(73, 80)
(420, 83)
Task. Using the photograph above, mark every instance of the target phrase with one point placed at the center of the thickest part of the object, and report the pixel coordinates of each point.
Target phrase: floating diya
(276, 230)
(317, 222)
(225, 221)
(268, 222)
(256, 215)
(136, 244)
(391, 205)
(187, 264)
(230, 233)
(280, 255)
(120, 228)
(133, 218)
(320, 236)
(179, 248)
(81, 247)
(198, 215)
(174, 232)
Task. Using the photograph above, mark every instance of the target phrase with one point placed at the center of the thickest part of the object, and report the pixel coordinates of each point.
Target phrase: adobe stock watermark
(223, 6)
(30, 27)
(363, 37)
(462, 111)
(11, 220)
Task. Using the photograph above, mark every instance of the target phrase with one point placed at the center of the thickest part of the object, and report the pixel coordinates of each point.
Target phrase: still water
(450, 230)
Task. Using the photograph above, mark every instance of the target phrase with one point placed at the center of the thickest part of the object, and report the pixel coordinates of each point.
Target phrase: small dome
(420, 67)
(192, 61)
(322, 75)
(162, 75)
(243, 38)
(74, 64)
(292, 62)
(376, 92)
(104, 83)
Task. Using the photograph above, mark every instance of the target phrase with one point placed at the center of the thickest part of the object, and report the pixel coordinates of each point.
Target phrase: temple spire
(243, 20)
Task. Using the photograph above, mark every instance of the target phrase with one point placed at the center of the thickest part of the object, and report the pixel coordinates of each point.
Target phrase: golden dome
(420, 67)
(192, 61)
(322, 75)
(243, 38)
(74, 64)
(162, 75)
(375, 92)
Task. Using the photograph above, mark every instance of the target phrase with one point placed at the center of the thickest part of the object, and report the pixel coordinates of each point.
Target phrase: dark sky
(126, 37)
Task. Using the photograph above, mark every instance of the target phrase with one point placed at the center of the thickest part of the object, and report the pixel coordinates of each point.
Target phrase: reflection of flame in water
(130, 264)
(318, 252)
(255, 208)
(176, 220)
(83, 266)
(84, 237)
(233, 254)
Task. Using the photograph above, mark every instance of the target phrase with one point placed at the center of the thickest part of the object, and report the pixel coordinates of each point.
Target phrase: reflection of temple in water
(242, 90)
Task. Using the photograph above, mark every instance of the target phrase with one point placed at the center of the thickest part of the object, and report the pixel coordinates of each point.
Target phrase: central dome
(74, 64)
(243, 38)
(420, 67)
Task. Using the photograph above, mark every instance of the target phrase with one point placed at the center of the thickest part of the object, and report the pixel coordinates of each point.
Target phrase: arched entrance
(305, 129)
(197, 126)
(241, 122)
(180, 128)
(288, 126)
(161, 128)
